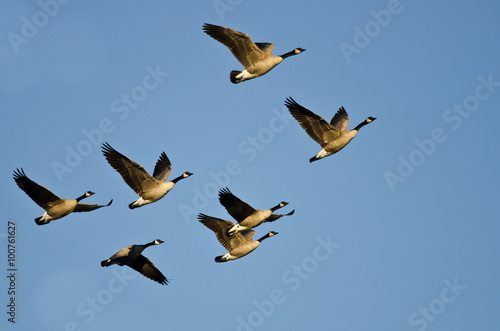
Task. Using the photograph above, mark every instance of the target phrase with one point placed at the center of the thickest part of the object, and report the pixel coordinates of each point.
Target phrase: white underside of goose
(153, 195)
(46, 218)
(245, 75)
(323, 153)
(238, 228)
(227, 257)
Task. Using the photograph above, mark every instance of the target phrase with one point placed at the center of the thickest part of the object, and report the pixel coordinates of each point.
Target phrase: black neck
(264, 237)
(149, 244)
(276, 207)
(81, 197)
(284, 56)
(360, 125)
(176, 179)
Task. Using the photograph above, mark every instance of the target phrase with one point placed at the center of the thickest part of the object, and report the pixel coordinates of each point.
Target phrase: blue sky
(395, 232)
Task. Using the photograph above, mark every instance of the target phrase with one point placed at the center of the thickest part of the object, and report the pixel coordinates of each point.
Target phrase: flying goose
(131, 256)
(257, 58)
(237, 245)
(331, 136)
(150, 188)
(54, 206)
(246, 216)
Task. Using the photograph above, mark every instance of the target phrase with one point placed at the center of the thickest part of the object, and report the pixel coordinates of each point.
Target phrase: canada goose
(257, 58)
(150, 188)
(238, 244)
(131, 256)
(54, 206)
(331, 136)
(246, 216)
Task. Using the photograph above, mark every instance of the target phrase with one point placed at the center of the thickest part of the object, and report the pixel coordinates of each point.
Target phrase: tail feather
(219, 259)
(37, 221)
(105, 263)
(313, 159)
(232, 76)
(131, 205)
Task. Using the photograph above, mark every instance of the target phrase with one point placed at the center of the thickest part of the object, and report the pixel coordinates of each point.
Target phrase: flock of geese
(237, 238)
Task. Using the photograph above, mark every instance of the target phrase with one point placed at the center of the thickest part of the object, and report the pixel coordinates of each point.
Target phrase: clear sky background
(398, 231)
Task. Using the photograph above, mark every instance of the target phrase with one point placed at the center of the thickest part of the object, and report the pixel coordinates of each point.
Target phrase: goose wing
(247, 234)
(315, 126)
(340, 120)
(143, 265)
(240, 44)
(238, 209)
(266, 48)
(221, 227)
(275, 217)
(122, 257)
(42, 196)
(88, 207)
(163, 168)
(132, 173)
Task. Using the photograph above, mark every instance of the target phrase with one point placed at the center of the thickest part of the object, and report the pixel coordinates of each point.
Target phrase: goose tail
(105, 263)
(232, 76)
(39, 221)
(219, 259)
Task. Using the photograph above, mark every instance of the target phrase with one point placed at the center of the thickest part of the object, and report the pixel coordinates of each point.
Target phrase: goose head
(184, 175)
(296, 51)
(365, 122)
(278, 206)
(269, 234)
(158, 241)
